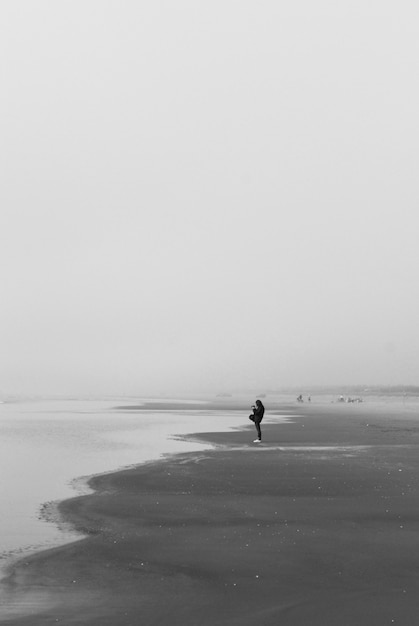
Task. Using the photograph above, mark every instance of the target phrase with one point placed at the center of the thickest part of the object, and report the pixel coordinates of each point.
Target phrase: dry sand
(317, 526)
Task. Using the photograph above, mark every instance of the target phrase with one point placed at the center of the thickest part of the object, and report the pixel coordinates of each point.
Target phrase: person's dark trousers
(257, 424)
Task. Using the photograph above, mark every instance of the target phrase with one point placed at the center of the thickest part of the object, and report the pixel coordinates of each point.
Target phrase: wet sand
(319, 525)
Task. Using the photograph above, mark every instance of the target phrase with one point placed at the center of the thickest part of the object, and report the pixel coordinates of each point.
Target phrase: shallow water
(46, 445)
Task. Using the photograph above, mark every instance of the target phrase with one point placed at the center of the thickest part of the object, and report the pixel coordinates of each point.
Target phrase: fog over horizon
(200, 197)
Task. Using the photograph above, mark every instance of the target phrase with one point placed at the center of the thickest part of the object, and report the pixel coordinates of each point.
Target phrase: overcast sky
(208, 196)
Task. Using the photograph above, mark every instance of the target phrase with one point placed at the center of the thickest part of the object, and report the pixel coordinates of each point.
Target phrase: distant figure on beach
(257, 417)
(300, 398)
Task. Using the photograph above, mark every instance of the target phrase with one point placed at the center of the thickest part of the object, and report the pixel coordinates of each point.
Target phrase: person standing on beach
(257, 417)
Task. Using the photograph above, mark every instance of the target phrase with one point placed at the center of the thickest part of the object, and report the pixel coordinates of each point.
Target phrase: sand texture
(318, 526)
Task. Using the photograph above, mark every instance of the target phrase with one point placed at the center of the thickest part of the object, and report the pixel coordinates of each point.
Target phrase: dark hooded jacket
(258, 411)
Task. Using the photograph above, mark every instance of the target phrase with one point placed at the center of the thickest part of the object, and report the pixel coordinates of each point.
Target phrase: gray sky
(205, 196)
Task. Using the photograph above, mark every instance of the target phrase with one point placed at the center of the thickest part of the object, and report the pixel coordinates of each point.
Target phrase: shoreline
(316, 526)
(65, 442)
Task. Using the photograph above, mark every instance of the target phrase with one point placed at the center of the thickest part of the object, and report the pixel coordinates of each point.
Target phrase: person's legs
(259, 432)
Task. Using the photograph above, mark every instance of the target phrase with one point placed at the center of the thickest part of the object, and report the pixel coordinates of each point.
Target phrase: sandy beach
(316, 526)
